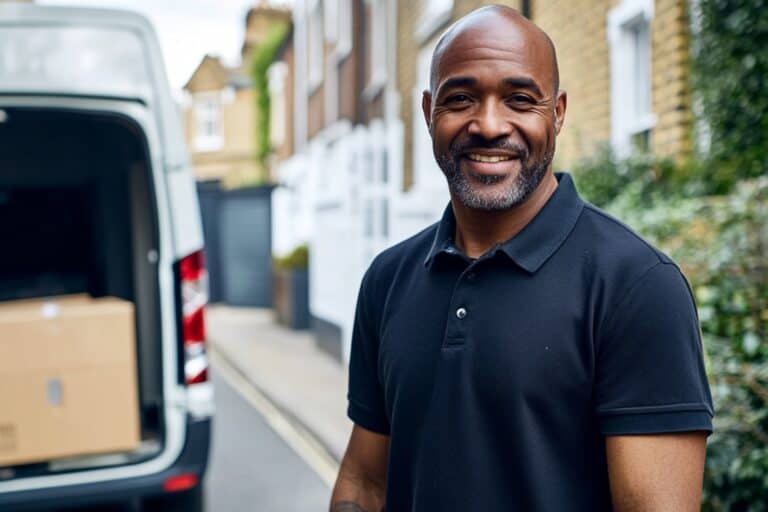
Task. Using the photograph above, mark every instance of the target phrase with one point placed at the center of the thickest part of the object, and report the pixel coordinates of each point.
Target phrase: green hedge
(729, 70)
(261, 58)
(295, 260)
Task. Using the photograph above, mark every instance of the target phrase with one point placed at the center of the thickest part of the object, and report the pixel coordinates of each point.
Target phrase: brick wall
(316, 112)
(349, 87)
(578, 30)
(671, 94)
(407, 49)
(351, 69)
(358, 60)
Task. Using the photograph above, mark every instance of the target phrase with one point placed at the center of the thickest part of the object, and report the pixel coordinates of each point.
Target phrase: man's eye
(521, 99)
(457, 98)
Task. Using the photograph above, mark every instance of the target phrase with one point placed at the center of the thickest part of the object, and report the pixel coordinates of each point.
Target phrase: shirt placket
(461, 309)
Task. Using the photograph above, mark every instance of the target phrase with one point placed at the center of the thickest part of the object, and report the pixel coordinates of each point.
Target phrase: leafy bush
(729, 66)
(297, 259)
(603, 177)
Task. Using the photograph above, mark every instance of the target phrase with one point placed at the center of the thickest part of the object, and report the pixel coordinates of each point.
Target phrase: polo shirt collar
(537, 241)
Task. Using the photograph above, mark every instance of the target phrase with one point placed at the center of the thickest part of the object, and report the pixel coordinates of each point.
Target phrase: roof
(211, 73)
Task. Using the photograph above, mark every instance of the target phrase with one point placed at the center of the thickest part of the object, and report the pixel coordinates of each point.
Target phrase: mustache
(478, 142)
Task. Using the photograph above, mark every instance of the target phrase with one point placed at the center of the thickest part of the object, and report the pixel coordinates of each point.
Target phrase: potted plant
(290, 288)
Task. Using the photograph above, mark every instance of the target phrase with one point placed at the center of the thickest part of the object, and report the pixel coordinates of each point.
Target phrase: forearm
(354, 494)
(347, 506)
(656, 472)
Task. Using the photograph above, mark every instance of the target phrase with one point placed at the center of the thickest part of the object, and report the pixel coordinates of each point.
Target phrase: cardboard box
(68, 381)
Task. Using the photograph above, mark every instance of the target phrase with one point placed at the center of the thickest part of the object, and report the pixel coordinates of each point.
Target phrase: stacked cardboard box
(68, 382)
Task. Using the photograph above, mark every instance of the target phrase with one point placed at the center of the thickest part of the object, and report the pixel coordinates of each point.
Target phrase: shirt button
(471, 276)
(461, 313)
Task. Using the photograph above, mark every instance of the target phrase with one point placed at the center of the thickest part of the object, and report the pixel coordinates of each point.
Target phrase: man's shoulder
(616, 251)
(615, 237)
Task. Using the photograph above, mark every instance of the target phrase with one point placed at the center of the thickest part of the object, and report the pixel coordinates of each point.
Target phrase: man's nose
(490, 121)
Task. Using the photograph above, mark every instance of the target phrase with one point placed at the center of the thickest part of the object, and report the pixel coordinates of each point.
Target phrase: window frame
(344, 29)
(627, 120)
(433, 15)
(377, 51)
(208, 112)
(316, 45)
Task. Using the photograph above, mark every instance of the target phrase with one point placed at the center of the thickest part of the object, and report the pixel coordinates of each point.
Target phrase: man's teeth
(489, 159)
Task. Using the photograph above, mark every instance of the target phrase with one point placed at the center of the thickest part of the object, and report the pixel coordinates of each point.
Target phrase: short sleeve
(649, 369)
(366, 395)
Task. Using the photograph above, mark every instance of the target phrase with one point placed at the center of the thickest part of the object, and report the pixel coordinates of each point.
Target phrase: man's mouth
(490, 163)
(491, 159)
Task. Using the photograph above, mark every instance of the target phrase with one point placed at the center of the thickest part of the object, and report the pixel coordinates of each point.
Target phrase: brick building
(219, 110)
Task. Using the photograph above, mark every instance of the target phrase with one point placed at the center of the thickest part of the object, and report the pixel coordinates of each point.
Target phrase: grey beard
(527, 180)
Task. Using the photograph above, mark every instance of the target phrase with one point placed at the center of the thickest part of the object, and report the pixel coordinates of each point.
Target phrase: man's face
(494, 113)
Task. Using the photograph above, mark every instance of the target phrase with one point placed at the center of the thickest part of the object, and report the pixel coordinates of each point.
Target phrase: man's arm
(362, 481)
(656, 472)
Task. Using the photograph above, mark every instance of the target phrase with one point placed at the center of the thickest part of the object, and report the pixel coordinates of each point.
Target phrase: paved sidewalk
(304, 382)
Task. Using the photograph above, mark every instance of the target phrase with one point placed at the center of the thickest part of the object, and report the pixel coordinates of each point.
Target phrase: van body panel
(175, 395)
(182, 196)
(156, 94)
(191, 460)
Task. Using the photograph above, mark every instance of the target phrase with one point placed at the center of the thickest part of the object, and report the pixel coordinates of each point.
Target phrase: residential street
(251, 467)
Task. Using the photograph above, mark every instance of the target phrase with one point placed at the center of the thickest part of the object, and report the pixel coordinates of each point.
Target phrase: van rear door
(89, 52)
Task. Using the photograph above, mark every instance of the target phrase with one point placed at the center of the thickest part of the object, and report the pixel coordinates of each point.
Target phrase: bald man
(527, 352)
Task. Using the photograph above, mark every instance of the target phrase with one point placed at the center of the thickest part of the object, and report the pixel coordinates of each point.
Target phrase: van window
(75, 59)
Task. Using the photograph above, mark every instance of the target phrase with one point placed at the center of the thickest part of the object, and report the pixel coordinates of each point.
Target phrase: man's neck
(477, 231)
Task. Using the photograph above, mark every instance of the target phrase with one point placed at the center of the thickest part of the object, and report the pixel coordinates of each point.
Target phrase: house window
(208, 135)
(434, 14)
(629, 36)
(331, 18)
(316, 52)
(378, 45)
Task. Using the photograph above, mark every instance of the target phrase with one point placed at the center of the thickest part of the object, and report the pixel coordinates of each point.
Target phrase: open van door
(91, 147)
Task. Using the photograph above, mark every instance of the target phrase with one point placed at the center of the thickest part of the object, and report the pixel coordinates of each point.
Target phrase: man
(527, 352)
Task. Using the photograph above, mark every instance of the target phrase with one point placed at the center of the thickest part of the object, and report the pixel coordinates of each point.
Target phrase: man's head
(494, 107)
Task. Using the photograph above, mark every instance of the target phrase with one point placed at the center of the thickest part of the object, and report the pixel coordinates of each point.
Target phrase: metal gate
(237, 225)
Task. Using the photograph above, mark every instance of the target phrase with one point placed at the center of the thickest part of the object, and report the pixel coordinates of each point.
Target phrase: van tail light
(194, 297)
(182, 482)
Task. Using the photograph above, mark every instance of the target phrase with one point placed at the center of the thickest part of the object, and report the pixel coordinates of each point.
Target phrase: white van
(96, 197)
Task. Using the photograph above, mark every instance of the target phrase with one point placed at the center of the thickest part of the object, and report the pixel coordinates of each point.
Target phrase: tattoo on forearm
(346, 506)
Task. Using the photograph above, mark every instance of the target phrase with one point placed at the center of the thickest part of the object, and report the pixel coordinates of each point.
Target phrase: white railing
(344, 197)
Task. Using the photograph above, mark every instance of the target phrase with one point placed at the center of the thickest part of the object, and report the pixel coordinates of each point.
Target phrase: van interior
(78, 215)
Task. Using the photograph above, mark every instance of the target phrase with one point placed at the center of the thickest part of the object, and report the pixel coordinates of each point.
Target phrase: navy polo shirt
(497, 379)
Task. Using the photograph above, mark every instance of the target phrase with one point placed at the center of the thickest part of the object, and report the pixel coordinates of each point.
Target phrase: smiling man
(527, 352)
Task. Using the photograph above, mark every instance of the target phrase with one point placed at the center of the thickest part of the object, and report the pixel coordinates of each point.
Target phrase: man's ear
(426, 108)
(561, 102)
